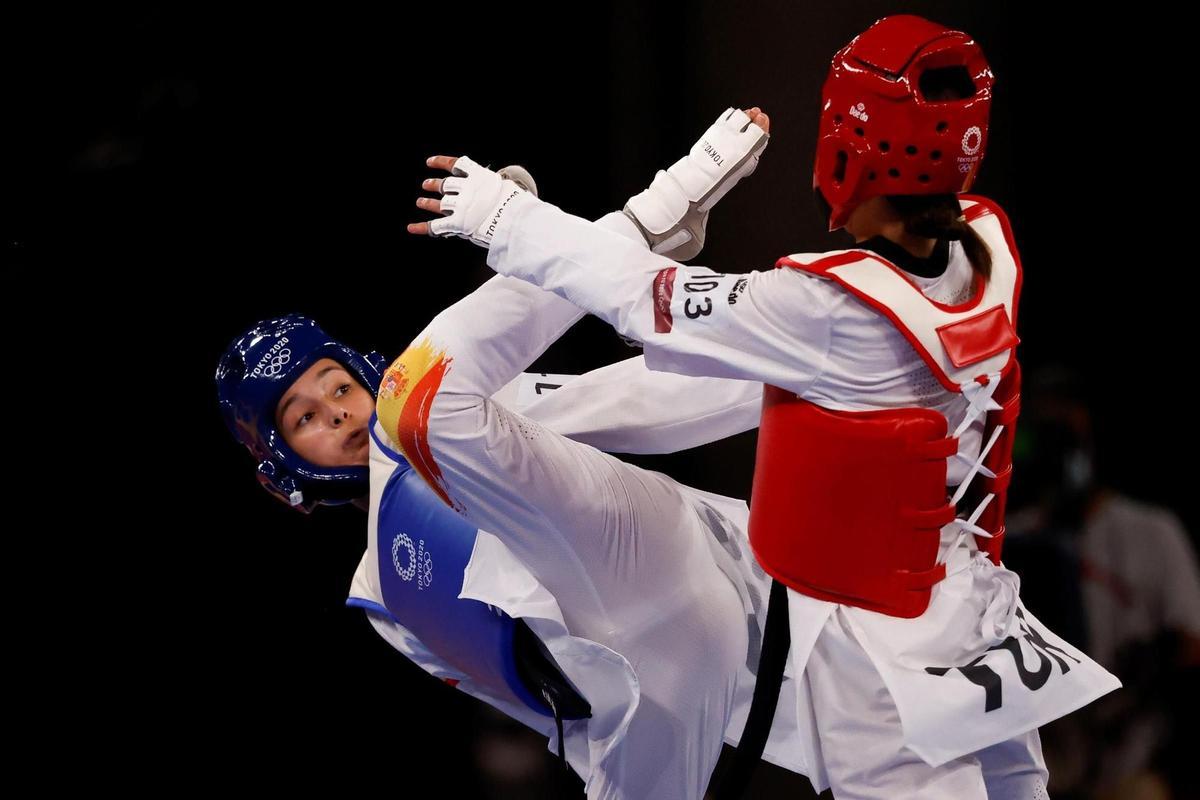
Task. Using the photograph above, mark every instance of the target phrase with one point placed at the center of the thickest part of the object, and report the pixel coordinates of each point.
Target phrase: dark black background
(177, 174)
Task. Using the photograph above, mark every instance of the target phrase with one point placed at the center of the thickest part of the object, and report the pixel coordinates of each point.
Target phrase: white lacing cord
(999, 619)
(979, 402)
(967, 527)
(976, 466)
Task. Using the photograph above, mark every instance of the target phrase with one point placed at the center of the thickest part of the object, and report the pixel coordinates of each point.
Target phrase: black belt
(777, 641)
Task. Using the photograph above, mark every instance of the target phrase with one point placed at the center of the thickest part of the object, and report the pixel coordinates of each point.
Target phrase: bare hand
(760, 119)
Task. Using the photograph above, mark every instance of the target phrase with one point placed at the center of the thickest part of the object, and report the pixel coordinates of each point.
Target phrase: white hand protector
(475, 201)
(673, 212)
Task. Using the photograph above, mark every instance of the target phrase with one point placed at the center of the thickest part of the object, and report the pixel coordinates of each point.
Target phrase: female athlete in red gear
(891, 393)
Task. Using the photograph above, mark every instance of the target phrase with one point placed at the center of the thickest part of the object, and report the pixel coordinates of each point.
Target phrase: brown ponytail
(938, 216)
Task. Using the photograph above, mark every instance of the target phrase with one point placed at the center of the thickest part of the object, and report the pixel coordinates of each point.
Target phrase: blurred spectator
(1118, 575)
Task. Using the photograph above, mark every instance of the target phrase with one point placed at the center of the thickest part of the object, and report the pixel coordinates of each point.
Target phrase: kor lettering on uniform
(989, 680)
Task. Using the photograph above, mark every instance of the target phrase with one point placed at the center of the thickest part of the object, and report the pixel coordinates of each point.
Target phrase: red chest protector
(848, 506)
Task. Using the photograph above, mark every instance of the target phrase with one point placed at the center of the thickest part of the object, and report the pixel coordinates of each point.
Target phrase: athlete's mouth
(355, 440)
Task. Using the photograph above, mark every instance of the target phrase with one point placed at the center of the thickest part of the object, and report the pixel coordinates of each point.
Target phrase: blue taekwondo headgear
(252, 376)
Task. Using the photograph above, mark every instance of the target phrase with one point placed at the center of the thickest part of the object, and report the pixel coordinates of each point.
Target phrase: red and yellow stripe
(405, 397)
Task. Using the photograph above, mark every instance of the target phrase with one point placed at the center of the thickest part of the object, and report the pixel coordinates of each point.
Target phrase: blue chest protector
(423, 548)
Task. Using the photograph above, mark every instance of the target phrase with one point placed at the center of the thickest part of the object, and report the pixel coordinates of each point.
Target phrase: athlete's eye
(341, 390)
(304, 419)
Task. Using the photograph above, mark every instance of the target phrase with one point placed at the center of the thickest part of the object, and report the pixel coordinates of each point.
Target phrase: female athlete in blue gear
(505, 554)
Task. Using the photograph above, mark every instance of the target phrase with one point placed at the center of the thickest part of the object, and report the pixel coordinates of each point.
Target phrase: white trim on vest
(918, 315)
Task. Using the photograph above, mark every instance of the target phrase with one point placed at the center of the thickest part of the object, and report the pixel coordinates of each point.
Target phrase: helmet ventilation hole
(839, 172)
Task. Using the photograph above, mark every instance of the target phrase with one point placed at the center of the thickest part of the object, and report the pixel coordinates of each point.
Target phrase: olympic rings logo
(278, 363)
(426, 571)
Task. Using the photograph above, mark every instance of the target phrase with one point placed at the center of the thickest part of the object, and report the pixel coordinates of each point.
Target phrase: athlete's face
(323, 416)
